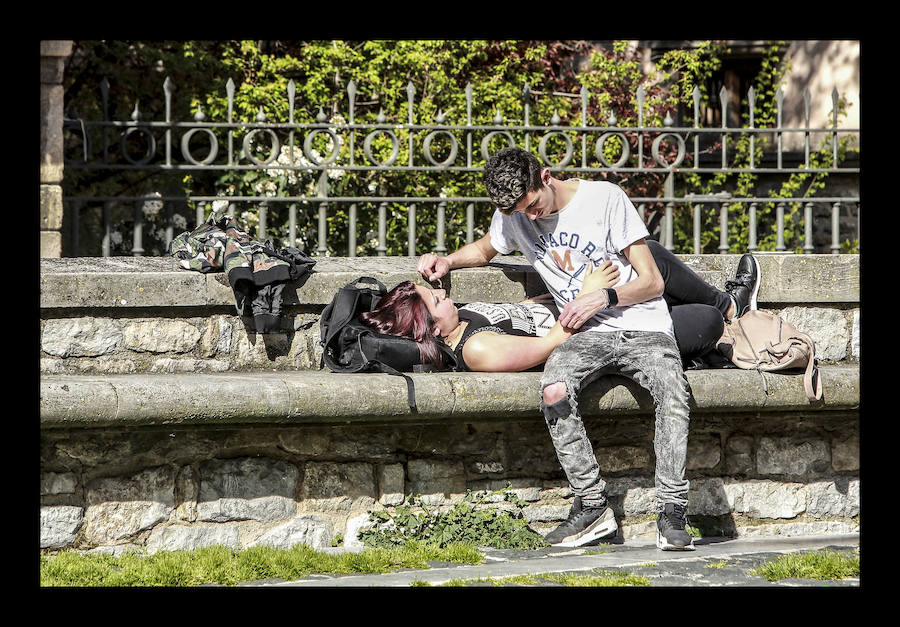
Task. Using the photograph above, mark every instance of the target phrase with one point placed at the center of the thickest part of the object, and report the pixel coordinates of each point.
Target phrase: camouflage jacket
(256, 272)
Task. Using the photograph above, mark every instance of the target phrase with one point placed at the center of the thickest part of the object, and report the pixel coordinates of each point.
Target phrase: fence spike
(640, 101)
(380, 119)
(835, 100)
(498, 119)
(440, 117)
(136, 114)
(779, 102)
(806, 100)
(555, 120)
(320, 116)
(199, 116)
(723, 99)
(292, 91)
(261, 116)
(229, 90)
(696, 95)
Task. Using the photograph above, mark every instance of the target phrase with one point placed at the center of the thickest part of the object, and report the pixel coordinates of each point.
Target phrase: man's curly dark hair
(509, 175)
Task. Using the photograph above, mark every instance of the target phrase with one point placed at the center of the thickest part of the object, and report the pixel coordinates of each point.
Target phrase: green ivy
(439, 71)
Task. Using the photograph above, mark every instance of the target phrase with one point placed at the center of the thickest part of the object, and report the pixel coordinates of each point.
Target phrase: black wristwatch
(612, 297)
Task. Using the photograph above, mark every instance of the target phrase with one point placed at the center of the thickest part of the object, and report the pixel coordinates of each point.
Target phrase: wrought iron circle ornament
(276, 146)
(654, 149)
(151, 145)
(335, 143)
(454, 148)
(485, 143)
(626, 150)
(542, 149)
(186, 146)
(395, 147)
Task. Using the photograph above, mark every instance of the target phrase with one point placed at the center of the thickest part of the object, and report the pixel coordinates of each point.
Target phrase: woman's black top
(529, 319)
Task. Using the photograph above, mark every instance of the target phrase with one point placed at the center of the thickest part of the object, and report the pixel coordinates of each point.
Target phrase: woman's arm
(488, 351)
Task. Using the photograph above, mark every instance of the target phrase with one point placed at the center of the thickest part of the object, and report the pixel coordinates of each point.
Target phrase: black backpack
(350, 346)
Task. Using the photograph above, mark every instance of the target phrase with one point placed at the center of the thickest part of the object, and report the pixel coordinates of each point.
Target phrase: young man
(561, 226)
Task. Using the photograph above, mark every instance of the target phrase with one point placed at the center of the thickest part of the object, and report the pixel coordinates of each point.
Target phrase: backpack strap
(812, 379)
(382, 367)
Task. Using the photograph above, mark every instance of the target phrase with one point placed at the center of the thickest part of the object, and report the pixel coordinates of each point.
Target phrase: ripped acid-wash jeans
(650, 359)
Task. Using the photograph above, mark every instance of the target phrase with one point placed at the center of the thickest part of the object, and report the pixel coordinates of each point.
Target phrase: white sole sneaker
(602, 527)
(663, 544)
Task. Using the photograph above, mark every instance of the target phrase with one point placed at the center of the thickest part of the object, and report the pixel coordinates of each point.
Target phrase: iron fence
(170, 146)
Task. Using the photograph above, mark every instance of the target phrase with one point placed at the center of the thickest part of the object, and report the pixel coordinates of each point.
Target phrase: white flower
(115, 237)
(219, 204)
(178, 221)
(152, 207)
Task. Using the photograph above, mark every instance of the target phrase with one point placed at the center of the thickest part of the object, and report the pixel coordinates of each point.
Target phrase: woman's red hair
(402, 312)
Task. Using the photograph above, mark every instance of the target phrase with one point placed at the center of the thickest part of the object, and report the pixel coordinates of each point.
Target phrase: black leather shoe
(744, 287)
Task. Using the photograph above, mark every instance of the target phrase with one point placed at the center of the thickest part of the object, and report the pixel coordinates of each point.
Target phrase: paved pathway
(638, 557)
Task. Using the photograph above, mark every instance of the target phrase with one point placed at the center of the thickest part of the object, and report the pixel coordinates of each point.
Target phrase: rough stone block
(57, 483)
(827, 327)
(311, 530)
(160, 336)
(845, 453)
(337, 487)
(766, 499)
(704, 452)
(838, 498)
(247, 488)
(187, 538)
(51, 207)
(392, 484)
(436, 481)
(792, 456)
(120, 507)
(619, 458)
(707, 497)
(80, 337)
(59, 525)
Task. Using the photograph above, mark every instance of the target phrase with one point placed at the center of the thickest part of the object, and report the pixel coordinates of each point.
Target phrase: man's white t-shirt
(597, 224)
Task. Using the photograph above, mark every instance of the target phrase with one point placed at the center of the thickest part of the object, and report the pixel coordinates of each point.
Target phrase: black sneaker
(671, 534)
(583, 525)
(744, 287)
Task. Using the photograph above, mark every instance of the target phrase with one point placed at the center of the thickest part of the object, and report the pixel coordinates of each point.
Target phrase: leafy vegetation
(470, 522)
(385, 75)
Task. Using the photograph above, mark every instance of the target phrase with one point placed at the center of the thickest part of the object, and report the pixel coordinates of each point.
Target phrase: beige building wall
(820, 66)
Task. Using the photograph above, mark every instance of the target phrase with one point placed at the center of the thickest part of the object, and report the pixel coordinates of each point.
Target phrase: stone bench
(166, 423)
(300, 398)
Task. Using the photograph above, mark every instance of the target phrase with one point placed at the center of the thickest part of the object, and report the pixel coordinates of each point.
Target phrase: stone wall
(129, 315)
(777, 468)
(173, 488)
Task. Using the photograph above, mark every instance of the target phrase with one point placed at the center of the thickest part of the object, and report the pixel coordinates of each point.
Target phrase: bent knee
(554, 393)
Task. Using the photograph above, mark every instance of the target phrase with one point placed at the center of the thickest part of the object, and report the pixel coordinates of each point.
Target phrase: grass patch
(716, 565)
(598, 579)
(593, 579)
(220, 565)
(824, 565)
